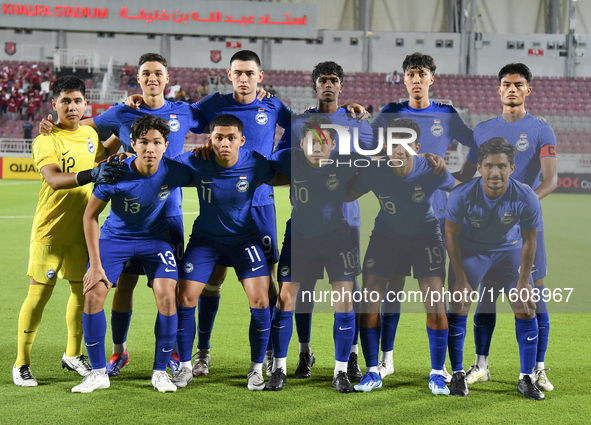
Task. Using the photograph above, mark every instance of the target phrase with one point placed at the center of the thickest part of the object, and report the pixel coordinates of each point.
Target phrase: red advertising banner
(535, 52)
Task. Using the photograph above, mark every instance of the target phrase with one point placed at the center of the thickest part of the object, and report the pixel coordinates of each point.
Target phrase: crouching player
(490, 233)
(135, 229)
(406, 234)
(225, 229)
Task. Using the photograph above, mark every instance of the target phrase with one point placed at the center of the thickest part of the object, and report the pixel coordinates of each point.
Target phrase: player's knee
(212, 290)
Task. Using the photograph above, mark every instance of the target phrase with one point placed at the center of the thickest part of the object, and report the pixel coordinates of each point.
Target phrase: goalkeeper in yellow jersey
(66, 159)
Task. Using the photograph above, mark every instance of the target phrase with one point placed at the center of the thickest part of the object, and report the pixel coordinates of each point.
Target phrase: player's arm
(452, 244)
(106, 172)
(528, 252)
(549, 177)
(112, 145)
(280, 179)
(352, 193)
(47, 124)
(467, 171)
(95, 273)
(440, 167)
(356, 111)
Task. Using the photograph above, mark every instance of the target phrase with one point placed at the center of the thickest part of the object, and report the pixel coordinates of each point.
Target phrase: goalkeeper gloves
(106, 172)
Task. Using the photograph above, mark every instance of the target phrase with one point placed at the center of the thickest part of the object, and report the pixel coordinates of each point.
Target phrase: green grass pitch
(222, 396)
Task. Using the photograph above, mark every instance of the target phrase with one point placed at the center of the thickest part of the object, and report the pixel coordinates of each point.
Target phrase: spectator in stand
(213, 77)
(132, 83)
(202, 89)
(37, 99)
(31, 110)
(195, 96)
(4, 96)
(28, 131)
(11, 108)
(393, 78)
(126, 70)
(21, 103)
(182, 96)
(369, 109)
(272, 91)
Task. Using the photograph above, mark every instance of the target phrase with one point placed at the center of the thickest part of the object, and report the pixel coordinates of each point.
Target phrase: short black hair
(516, 68)
(495, 146)
(152, 57)
(68, 84)
(327, 68)
(226, 120)
(419, 60)
(404, 123)
(246, 55)
(145, 123)
(315, 122)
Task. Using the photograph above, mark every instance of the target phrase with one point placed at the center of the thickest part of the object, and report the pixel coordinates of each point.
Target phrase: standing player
(321, 238)
(64, 159)
(135, 228)
(153, 77)
(440, 124)
(260, 118)
(225, 228)
(491, 231)
(536, 152)
(406, 234)
(327, 81)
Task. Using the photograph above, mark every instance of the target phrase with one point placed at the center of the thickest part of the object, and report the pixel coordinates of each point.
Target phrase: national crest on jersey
(242, 185)
(164, 192)
(173, 123)
(418, 195)
(508, 218)
(437, 128)
(332, 183)
(522, 144)
(90, 145)
(261, 118)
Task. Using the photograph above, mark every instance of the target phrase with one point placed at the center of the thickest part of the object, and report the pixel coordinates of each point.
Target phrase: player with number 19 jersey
(440, 124)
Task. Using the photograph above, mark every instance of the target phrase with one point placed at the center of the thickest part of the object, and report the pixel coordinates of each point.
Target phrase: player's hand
(262, 93)
(121, 156)
(203, 150)
(93, 276)
(134, 101)
(525, 292)
(463, 286)
(438, 162)
(46, 125)
(108, 172)
(356, 110)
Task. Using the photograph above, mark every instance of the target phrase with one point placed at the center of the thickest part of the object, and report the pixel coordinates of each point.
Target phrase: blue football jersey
(317, 196)
(493, 225)
(405, 202)
(138, 203)
(528, 135)
(281, 161)
(181, 118)
(259, 118)
(226, 195)
(440, 124)
(341, 117)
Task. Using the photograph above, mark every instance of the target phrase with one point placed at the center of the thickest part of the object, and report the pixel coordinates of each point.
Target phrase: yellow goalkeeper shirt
(58, 218)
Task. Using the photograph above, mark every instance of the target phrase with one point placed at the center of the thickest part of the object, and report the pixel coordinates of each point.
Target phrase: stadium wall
(193, 51)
